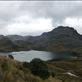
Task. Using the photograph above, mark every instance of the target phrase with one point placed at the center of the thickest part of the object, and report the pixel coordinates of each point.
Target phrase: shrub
(11, 57)
(26, 65)
(39, 68)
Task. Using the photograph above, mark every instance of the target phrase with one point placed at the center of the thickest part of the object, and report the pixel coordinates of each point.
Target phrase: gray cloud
(58, 11)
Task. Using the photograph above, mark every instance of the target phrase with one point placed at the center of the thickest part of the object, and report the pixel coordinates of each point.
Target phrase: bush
(11, 57)
(39, 68)
(26, 65)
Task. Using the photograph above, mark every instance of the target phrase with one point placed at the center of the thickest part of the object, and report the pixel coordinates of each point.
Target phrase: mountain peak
(64, 29)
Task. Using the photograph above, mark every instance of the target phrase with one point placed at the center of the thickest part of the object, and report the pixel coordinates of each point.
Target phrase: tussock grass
(14, 71)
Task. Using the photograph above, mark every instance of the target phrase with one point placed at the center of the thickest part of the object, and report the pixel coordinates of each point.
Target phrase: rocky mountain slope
(6, 44)
(62, 38)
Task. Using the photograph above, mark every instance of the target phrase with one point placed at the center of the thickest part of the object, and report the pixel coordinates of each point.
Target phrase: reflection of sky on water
(29, 55)
(44, 55)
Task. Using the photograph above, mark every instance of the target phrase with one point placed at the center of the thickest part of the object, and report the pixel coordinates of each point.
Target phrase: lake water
(44, 55)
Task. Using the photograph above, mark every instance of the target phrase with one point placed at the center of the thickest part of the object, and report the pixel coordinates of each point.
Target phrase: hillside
(60, 39)
(59, 71)
(6, 45)
(64, 39)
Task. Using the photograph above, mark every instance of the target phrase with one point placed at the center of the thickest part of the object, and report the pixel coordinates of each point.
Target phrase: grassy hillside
(64, 70)
(15, 71)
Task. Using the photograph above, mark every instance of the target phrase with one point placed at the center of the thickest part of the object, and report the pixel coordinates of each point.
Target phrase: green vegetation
(62, 68)
(39, 68)
(40, 71)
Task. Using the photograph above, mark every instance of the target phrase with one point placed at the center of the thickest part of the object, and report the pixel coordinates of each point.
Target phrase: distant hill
(6, 45)
(62, 38)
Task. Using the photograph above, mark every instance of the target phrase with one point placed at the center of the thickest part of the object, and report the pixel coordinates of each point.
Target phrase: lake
(44, 55)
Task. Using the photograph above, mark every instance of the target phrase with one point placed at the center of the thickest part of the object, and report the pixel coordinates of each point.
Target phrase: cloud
(58, 10)
(74, 22)
(35, 17)
(26, 25)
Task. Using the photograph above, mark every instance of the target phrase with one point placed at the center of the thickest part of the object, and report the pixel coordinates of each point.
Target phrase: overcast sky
(36, 17)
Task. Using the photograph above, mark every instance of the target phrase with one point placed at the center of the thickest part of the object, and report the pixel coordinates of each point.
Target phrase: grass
(14, 71)
(61, 67)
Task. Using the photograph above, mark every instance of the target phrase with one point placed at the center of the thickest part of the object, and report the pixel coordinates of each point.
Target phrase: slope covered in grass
(15, 71)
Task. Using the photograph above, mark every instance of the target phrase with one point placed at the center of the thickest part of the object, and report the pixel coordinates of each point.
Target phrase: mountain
(15, 37)
(62, 31)
(62, 38)
(21, 42)
(6, 44)
(28, 42)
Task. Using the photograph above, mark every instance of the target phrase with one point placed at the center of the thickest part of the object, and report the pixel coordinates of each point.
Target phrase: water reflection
(44, 55)
(29, 55)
